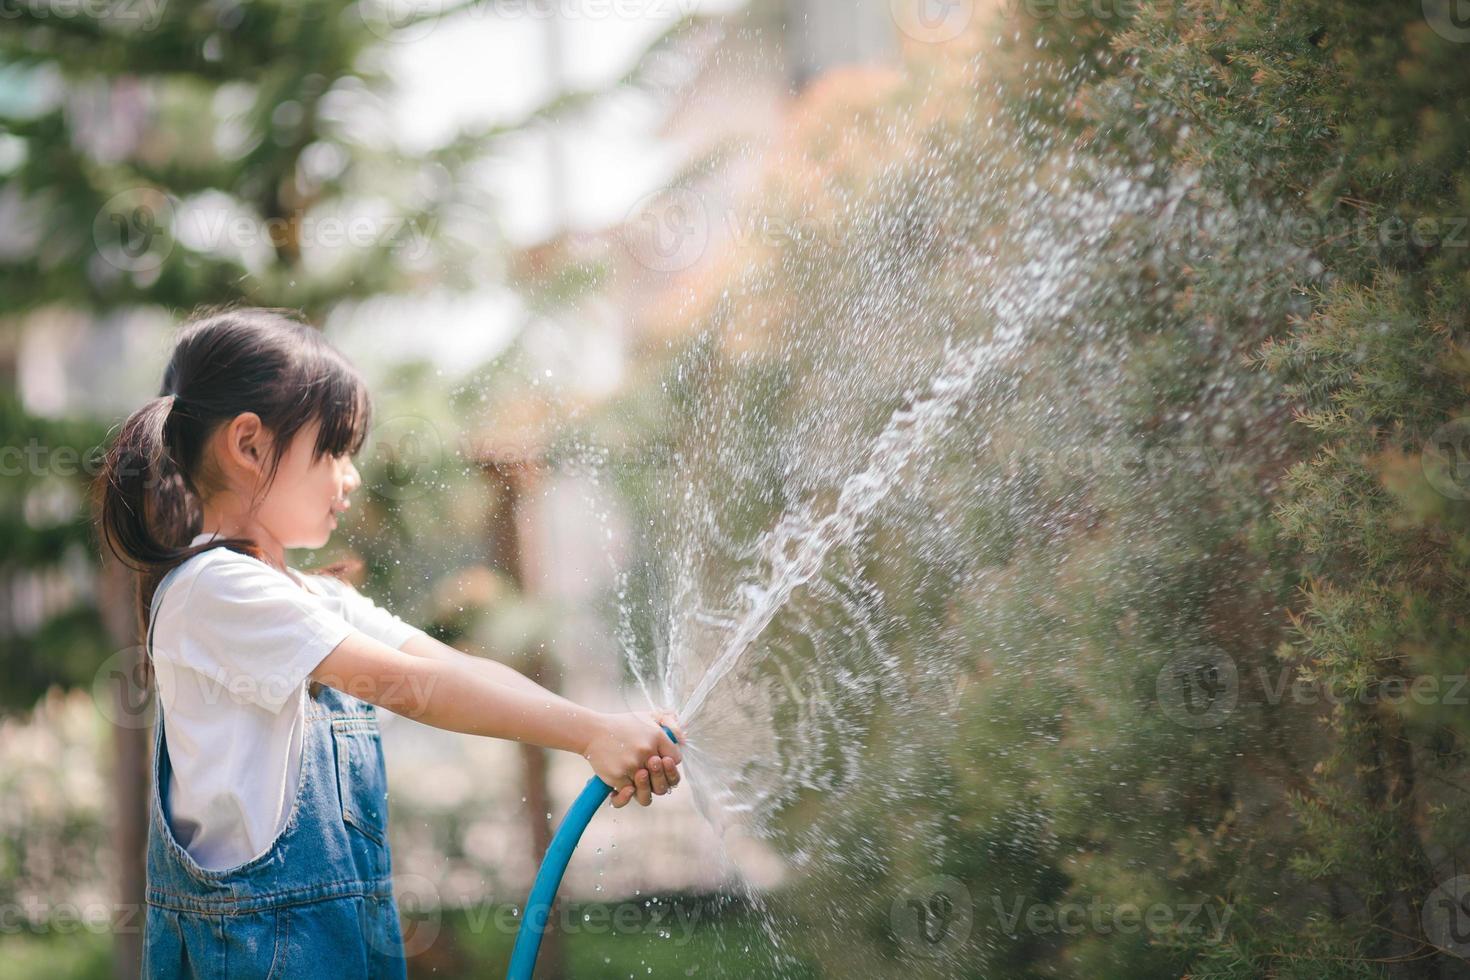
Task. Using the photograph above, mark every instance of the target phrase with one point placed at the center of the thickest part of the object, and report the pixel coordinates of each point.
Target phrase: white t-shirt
(234, 644)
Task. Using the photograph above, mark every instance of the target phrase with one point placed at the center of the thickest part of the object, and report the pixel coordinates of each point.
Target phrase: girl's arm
(424, 645)
(630, 752)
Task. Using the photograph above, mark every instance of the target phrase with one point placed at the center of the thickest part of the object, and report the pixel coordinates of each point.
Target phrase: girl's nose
(354, 478)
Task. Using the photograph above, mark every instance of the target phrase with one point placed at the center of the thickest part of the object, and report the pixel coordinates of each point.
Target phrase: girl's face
(303, 502)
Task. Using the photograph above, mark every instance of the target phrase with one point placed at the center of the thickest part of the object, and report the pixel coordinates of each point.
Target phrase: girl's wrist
(594, 728)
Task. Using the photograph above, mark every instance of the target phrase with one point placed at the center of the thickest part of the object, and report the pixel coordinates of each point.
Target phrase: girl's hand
(633, 755)
(663, 773)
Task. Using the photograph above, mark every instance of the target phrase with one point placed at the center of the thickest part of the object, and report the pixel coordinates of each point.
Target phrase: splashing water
(1049, 279)
(795, 549)
(848, 434)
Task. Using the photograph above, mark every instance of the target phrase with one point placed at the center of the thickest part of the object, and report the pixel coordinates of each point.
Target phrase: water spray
(549, 875)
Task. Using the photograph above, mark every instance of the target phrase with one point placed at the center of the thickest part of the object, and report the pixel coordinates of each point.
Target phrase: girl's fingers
(642, 791)
(657, 778)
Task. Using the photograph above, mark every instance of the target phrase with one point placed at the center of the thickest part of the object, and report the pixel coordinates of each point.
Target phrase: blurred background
(1130, 661)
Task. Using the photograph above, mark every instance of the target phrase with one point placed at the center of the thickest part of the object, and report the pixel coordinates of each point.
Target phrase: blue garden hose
(548, 878)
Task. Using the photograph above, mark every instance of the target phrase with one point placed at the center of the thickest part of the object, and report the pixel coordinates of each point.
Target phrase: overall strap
(158, 591)
(160, 757)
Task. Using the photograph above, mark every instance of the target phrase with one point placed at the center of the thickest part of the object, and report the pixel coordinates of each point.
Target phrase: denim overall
(319, 902)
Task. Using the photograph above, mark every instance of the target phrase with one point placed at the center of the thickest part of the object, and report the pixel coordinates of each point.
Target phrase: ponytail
(144, 503)
(141, 501)
(146, 508)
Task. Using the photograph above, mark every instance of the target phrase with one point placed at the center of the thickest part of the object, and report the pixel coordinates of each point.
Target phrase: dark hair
(225, 361)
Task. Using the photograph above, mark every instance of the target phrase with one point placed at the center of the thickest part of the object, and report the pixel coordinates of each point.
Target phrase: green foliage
(1287, 342)
(1340, 111)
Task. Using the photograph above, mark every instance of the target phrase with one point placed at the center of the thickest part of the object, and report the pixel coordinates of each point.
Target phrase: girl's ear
(245, 441)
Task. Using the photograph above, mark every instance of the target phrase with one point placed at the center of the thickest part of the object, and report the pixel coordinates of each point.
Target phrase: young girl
(268, 832)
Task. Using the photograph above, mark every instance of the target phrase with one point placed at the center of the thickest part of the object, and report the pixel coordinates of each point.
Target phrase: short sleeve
(367, 615)
(255, 631)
